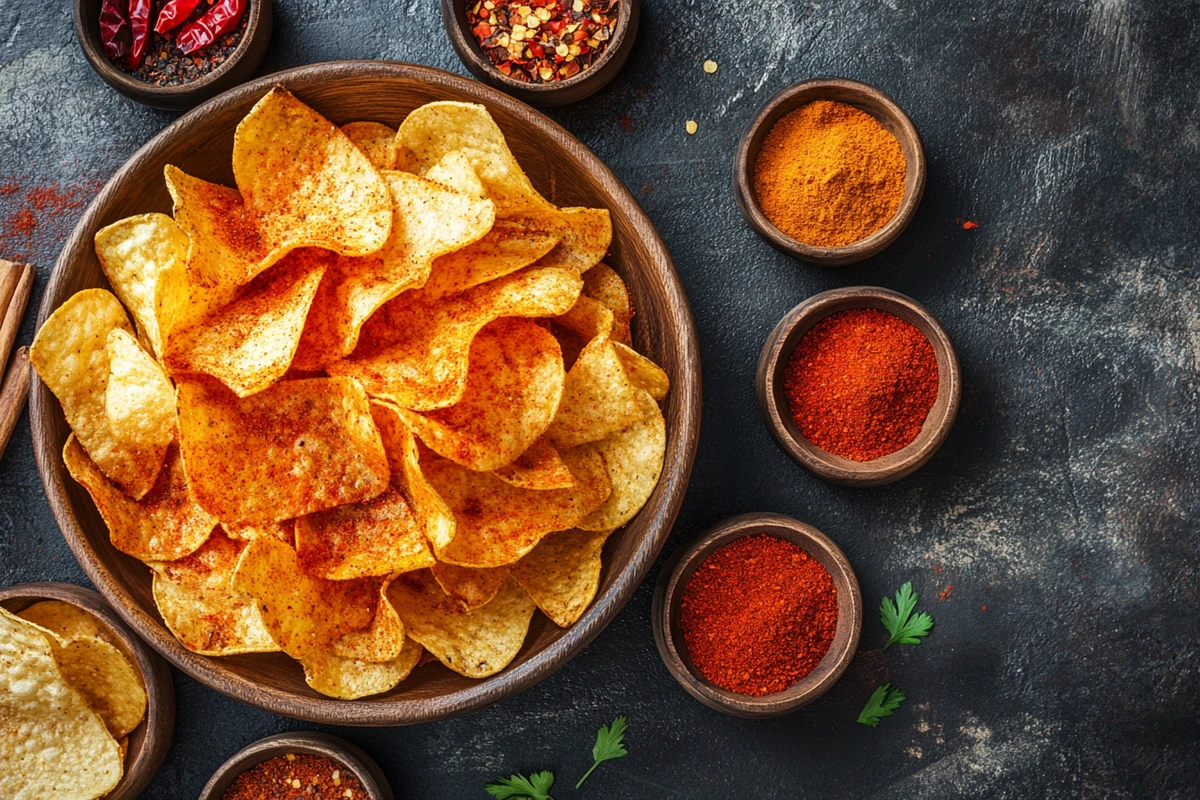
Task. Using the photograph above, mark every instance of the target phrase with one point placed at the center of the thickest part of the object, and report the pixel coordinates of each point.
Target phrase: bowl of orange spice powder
(830, 171)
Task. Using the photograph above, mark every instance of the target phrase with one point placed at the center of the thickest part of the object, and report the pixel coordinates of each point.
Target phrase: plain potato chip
(196, 599)
(498, 523)
(375, 140)
(350, 679)
(71, 356)
(509, 246)
(602, 284)
(67, 621)
(633, 458)
(108, 682)
(540, 467)
(415, 349)
(138, 397)
(598, 398)
(474, 643)
(562, 573)
(165, 524)
(514, 383)
(642, 372)
(306, 182)
(293, 449)
(51, 743)
(134, 252)
(471, 587)
(379, 642)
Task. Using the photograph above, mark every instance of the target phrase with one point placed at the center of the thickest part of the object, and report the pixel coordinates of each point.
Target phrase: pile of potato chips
(69, 698)
(380, 397)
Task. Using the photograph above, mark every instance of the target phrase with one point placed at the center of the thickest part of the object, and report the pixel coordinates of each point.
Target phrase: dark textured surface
(1065, 500)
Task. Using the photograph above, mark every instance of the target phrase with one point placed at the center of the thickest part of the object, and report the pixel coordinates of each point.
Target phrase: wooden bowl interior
(569, 175)
(318, 744)
(149, 741)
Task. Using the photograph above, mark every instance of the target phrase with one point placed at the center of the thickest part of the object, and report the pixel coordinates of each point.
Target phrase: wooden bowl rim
(778, 349)
(792, 97)
(681, 445)
(682, 564)
(158, 727)
(346, 753)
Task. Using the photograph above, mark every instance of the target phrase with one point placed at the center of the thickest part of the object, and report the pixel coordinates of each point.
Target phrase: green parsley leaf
(884, 700)
(518, 787)
(899, 620)
(610, 743)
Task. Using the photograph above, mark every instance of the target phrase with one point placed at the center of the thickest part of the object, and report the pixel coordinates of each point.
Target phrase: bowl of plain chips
(368, 394)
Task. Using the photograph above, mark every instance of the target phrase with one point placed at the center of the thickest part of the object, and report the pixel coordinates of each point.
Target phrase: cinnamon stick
(20, 277)
(13, 392)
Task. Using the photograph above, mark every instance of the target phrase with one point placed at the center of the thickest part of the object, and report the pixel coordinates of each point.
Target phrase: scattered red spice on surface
(946, 593)
(860, 383)
(39, 206)
(970, 225)
(985, 608)
(296, 777)
(758, 615)
(937, 568)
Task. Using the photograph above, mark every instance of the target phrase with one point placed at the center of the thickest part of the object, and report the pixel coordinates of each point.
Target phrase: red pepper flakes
(296, 777)
(542, 41)
(945, 595)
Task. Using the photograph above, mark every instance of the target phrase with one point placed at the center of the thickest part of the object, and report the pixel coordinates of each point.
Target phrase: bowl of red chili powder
(758, 616)
(859, 385)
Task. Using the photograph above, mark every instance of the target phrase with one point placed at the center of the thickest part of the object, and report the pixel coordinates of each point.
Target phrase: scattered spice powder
(542, 41)
(296, 777)
(829, 174)
(860, 383)
(30, 209)
(758, 615)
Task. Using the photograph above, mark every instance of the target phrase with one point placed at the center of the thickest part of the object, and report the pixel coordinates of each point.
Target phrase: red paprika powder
(860, 383)
(758, 615)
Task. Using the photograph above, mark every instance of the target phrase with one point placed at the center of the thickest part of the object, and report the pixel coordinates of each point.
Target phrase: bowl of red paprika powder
(859, 385)
(758, 616)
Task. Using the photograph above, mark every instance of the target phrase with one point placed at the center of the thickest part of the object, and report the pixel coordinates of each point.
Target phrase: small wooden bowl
(861, 96)
(772, 364)
(237, 68)
(318, 744)
(149, 742)
(668, 633)
(572, 90)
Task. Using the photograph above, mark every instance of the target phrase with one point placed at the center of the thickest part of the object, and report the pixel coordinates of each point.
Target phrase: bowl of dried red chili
(859, 385)
(173, 54)
(297, 766)
(544, 52)
(758, 616)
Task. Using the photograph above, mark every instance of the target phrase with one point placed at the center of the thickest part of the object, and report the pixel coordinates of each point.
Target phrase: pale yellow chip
(499, 523)
(248, 345)
(562, 573)
(67, 621)
(642, 372)
(70, 354)
(165, 524)
(509, 246)
(633, 458)
(598, 398)
(474, 643)
(415, 349)
(197, 601)
(453, 169)
(375, 140)
(540, 467)
(293, 449)
(471, 587)
(306, 182)
(52, 745)
(350, 679)
(514, 383)
(379, 642)
(107, 681)
(138, 397)
(602, 284)
(134, 253)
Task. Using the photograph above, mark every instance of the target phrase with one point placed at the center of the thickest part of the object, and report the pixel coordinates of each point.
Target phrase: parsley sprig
(610, 743)
(518, 787)
(884, 700)
(904, 626)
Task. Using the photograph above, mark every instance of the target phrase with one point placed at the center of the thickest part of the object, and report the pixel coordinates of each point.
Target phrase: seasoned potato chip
(138, 398)
(51, 743)
(633, 458)
(598, 398)
(453, 169)
(306, 182)
(474, 643)
(587, 319)
(584, 236)
(471, 587)
(498, 523)
(301, 446)
(70, 354)
(284, 531)
(67, 621)
(350, 679)
(415, 349)
(374, 139)
(108, 682)
(165, 524)
(514, 382)
(379, 642)
(540, 467)
(602, 284)
(509, 246)
(196, 599)
(134, 252)
(642, 372)
(562, 573)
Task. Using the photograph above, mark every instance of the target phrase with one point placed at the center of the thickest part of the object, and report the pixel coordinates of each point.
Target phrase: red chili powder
(758, 615)
(860, 383)
(40, 206)
(296, 777)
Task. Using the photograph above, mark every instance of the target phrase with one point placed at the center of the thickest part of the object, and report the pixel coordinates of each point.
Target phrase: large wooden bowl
(563, 169)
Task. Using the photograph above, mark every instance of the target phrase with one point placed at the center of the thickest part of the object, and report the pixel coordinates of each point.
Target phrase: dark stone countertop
(1063, 509)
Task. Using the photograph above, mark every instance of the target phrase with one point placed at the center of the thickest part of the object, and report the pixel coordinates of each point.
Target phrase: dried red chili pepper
(139, 24)
(114, 28)
(219, 20)
(174, 13)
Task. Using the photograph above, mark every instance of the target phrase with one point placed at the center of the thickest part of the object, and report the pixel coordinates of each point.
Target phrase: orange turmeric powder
(829, 174)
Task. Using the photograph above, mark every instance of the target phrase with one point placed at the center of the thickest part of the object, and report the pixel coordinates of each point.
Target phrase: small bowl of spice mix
(831, 171)
(859, 385)
(543, 52)
(758, 616)
(298, 766)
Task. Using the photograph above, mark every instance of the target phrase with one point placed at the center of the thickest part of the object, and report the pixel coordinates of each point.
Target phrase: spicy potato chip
(67, 621)
(165, 524)
(584, 236)
(453, 169)
(471, 587)
(293, 449)
(540, 467)
(108, 682)
(284, 531)
(350, 679)
(375, 140)
(642, 372)
(509, 246)
(602, 284)
(633, 458)
(562, 573)
(475, 643)
(71, 356)
(138, 397)
(514, 382)
(598, 398)
(379, 642)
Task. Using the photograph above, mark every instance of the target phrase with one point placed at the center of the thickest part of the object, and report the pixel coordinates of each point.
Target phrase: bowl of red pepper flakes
(859, 385)
(544, 52)
(173, 54)
(298, 766)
